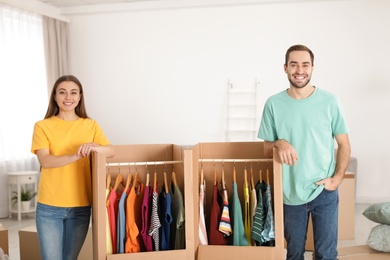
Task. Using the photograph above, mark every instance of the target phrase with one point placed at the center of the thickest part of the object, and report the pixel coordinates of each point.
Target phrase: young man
(302, 123)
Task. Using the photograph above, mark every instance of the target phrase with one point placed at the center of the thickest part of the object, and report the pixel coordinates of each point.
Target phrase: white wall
(159, 75)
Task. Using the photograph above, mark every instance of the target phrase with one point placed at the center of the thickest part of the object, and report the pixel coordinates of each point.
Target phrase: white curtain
(55, 34)
(23, 86)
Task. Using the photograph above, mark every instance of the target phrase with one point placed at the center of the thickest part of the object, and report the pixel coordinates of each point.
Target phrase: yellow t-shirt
(69, 185)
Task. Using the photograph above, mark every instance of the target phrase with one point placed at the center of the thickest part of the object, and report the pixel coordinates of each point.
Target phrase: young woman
(63, 142)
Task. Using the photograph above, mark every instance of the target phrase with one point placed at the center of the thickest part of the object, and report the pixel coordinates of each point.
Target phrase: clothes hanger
(166, 183)
(147, 179)
(136, 181)
(223, 178)
(147, 176)
(108, 181)
(108, 187)
(118, 180)
(128, 183)
(201, 174)
(252, 179)
(174, 181)
(267, 174)
(234, 173)
(260, 175)
(155, 179)
(215, 175)
(245, 177)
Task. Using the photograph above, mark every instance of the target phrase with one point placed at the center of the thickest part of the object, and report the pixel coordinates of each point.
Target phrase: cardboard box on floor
(214, 153)
(187, 175)
(362, 252)
(4, 239)
(29, 245)
(346, 228)
(129, 155)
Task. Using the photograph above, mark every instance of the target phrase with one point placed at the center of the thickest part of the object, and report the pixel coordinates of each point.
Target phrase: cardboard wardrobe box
(140, 159)
(241, 156)
(362, 252)
(29, 245)
(346, 222)
(4, 239)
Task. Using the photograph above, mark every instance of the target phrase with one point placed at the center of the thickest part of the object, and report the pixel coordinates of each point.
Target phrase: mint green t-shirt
(310, 126)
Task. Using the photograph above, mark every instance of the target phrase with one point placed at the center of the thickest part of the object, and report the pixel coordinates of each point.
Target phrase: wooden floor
(363, 227)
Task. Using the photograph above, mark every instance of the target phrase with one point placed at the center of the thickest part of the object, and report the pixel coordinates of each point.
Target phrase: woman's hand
(86, 149)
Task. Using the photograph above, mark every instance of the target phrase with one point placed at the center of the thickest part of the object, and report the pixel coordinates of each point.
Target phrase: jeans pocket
(326, 190)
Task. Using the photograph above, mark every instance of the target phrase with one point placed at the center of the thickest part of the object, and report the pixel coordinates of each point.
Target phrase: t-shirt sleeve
(39, 140)
(267, 129)
(339, 125)
(99, 137)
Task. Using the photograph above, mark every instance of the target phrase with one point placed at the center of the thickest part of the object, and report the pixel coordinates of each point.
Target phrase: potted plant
(25, 197)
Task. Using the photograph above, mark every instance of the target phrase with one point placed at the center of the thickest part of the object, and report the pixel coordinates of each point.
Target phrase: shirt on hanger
(121, 224)
(165, 201)
(133, 220)
(258, 221)
(178, 228)
(108, 231)
(113, 198)
(155, 223)
(269, 225)
(202, 223)
(225, 225)
(247, 215)
(238, 237)
(146, 209)
(216, 237)
(253, 205)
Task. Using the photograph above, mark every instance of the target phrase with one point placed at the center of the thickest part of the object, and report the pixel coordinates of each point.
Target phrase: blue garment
(269, 225)
(121, 224)
(61, 231)
(165, 201)
(324, 211)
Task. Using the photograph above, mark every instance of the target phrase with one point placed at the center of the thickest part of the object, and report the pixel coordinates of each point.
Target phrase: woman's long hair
(53, 108)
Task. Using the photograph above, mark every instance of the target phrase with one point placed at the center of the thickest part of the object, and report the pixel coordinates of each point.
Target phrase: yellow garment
(108, 232)
(69, 185)
(247, 216)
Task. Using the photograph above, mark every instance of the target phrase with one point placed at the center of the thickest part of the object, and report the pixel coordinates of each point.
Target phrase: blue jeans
(324, 212)
(61, 231)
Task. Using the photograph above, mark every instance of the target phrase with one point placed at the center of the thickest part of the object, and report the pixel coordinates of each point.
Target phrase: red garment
(146, 209)
(216, 237)
(112, 210)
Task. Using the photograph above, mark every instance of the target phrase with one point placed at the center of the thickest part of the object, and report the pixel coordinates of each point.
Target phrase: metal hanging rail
(142, 163)
(234, 160)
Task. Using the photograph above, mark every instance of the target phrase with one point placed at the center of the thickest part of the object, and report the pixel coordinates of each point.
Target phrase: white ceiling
(91, 3)
(62, 9)
(78, 3)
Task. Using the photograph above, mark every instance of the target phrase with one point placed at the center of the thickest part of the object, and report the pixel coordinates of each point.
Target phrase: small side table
(21, 178)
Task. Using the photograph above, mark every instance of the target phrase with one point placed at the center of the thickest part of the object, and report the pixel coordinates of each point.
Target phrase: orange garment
(134, 220)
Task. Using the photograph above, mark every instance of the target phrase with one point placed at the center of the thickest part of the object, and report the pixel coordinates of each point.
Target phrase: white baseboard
(371, 200)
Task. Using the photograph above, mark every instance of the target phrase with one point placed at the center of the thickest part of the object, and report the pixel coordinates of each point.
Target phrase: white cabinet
(16, 182)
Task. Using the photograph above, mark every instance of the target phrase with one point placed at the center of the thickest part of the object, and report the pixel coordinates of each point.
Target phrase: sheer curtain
(23, 87)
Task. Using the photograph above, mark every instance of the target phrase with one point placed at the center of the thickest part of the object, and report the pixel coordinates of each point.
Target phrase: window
(23, 99)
